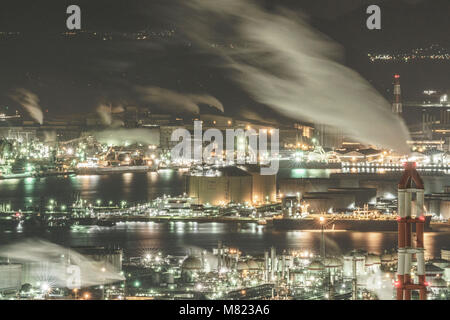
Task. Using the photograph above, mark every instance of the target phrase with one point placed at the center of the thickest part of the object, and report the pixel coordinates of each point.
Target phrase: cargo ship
(112, 169)
(342, 222)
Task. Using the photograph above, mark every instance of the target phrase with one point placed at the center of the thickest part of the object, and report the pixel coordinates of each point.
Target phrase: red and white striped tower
(410, 191)
(397, 104)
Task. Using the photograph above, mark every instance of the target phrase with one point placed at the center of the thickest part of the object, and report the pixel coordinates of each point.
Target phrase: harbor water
(175, 237)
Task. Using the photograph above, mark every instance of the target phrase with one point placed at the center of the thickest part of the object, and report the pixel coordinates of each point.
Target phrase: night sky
(76, 74)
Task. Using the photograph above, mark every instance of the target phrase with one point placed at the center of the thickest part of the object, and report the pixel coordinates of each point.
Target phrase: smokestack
(273, 257)
(219, 254)
(266, 266)
(203, 253)
(397, 104)
(410, 183)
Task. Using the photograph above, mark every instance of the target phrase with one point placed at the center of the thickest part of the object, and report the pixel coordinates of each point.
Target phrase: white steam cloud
(50, 136)
(291, 67)
(106, 113)
(124, 137)
(30, 102)
(176, 101)
(48, 262)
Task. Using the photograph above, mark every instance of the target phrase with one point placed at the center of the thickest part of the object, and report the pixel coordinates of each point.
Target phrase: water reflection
(175, 237)
(131, 187)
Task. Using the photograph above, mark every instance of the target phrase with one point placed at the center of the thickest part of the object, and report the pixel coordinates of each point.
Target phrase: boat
(262, 222)
(84, 221)
(58, 224)
(38, 222)
(105, 223)
(112, 169)
(341, 222)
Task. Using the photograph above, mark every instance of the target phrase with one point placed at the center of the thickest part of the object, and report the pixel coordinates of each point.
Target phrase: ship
(342, 222)
(39, 222)
(112, 169)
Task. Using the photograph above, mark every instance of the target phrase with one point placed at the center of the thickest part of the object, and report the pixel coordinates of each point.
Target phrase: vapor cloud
(48, 262)
(106, 113)
(289, 66)
(30, 102)
(177, 102)
(123, 137)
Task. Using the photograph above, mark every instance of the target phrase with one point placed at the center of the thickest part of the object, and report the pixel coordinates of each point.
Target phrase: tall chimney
(397, 104)
(273, 257)
(410, 183)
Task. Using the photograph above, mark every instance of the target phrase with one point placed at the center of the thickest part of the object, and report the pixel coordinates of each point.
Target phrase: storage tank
(356, 257)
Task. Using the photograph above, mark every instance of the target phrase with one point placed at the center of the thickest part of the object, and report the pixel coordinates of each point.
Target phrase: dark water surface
(176, 238)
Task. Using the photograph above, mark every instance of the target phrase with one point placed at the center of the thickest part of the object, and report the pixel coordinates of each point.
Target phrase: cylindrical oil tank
(354, 257)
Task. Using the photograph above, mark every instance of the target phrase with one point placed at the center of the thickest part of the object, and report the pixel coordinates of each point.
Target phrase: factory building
(231, 184)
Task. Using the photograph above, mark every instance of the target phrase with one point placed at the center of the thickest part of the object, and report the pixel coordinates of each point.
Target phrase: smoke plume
(123, 137)
(285, 64)
(30, 102)
(106, 113)
(176, 101)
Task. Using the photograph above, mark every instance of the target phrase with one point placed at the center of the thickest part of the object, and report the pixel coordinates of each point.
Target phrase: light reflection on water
(178, 237)
(130, 187)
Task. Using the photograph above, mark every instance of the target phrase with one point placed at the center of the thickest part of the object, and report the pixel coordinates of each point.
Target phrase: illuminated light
(87, 296)
(45, 287)
(396, 76)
